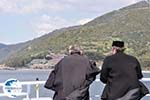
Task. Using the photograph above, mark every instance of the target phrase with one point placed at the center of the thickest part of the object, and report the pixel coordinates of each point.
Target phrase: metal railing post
(37, 89)
(28, 92)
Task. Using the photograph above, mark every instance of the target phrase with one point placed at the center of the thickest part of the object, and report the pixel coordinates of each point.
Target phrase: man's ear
(113, 51)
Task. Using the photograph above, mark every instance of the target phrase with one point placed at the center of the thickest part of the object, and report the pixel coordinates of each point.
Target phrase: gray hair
(75, 49)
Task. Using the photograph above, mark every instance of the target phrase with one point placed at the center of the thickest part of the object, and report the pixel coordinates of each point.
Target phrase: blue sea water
(31, 75)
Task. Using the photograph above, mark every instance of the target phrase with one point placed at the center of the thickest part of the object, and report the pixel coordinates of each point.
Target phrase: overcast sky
(22, 20)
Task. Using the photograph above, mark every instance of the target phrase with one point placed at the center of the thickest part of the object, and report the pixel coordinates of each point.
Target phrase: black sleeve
(92, 70)
(104, 72)
(91, 73)
(138, 70)
(51, 79)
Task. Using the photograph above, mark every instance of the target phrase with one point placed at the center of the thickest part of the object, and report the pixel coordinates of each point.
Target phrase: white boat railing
(28, 84)
(37, 83)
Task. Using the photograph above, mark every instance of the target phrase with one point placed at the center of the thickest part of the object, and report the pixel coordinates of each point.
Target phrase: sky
(23, 20)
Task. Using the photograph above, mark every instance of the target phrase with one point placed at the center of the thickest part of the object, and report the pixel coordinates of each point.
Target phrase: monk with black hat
(121, 73)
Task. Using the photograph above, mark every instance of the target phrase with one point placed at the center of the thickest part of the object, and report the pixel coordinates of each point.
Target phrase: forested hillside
(130, 24)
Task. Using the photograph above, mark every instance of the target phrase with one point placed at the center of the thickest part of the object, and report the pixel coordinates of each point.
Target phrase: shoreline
(32, 69)
(23, 69)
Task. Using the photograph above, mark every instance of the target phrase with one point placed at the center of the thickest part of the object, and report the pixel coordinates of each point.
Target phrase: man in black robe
(121, 73)
(72, 76)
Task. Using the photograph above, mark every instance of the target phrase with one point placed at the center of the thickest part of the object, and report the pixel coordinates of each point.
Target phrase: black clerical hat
(118, 44)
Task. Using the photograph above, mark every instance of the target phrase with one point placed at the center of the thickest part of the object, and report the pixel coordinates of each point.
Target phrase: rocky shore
(46, 63)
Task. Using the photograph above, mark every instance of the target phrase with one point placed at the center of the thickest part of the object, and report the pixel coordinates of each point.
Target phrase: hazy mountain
(2, 45)
(131, 24)
(8, 50)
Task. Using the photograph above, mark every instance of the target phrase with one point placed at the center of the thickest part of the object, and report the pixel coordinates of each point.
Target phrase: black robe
(72, 77)
(121, 73)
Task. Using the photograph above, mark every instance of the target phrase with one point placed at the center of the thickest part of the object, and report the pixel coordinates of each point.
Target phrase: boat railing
(28, 85)
(37, 90)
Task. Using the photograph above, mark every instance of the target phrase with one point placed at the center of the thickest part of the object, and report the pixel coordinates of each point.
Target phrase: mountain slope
(2, 45)
(131, 24)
